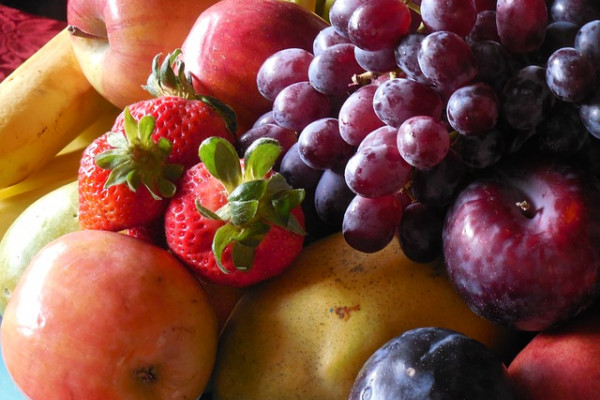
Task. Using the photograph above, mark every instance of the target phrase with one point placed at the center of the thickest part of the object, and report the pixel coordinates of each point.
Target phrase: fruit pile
(406, 110)
(415, 183)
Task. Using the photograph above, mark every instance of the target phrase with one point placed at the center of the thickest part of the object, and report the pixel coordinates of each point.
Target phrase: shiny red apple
(115, 41)
(231, 39)
(100, 315)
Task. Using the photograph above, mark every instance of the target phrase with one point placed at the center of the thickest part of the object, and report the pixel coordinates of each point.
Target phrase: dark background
(55, 9)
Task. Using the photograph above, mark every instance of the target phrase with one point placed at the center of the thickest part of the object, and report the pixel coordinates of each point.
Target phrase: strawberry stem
(257, 199)
(135, 159)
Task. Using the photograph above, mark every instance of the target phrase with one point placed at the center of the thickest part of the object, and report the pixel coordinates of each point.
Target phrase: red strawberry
(232, 221)
(125, 174)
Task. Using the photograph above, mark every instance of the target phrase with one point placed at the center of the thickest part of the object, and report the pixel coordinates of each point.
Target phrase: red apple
(101, 315)
(521, 245)
(563, 363)
(115, 41)
(231, 39)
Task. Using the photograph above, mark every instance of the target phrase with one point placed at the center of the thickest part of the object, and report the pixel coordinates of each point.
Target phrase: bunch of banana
(48, 113)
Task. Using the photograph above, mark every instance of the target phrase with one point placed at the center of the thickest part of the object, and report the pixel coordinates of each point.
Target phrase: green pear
(49, 217)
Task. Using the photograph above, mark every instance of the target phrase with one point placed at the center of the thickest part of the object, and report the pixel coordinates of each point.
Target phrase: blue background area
(8, 390)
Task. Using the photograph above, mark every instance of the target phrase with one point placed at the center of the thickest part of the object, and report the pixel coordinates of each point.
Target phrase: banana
(57, 172)
(44, 104)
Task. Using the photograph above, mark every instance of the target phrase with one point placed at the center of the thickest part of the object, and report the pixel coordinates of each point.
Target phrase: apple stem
(78, 32)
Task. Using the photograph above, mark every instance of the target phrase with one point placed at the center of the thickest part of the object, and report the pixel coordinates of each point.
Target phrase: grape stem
(364, 79)
(412, 6)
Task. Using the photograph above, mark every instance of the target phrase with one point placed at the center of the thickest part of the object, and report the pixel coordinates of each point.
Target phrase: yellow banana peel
(60, 170)
(44, 104)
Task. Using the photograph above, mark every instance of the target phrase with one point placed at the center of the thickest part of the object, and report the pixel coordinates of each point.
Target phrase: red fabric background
(21, 35)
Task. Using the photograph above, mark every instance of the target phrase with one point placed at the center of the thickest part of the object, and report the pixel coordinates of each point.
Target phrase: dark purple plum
(521, 245)
(432, 363)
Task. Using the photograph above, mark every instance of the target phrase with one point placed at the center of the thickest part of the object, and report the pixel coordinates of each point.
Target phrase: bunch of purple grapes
(402, 102)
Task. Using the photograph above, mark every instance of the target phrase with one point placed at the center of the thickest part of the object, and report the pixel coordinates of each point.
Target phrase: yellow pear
(306, 334)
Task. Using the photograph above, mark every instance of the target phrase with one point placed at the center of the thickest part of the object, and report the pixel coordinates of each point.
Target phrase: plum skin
(522, 247)
(432, 363)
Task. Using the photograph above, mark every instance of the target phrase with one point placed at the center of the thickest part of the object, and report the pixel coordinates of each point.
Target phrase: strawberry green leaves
(170, 79)
(257, 199)
(135, 158)
(222, 161)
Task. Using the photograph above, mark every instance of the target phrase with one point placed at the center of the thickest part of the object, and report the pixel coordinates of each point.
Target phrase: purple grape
(321, 146)
(379, 61)
(494, 63)
(420, 232)
(587, 41)
(578, 12)
(398, 99)
(558, 35)
(570, 75)
(562, 133)
(340, 12)
(590, 114)
(456, 16)
(484, 28)
(332, 197)
(315, 227)
(526, 99)
(407, 51)
(378, 24)
(446, 60)
(481, 151)
(438, 186)
(332, 70)
(266, 118)
(357, 117)
(327, 37)
(286, 138)
(281, 69)
(521, 24)
(473, 109)
(377, 170)
(423, 141)
(382, 136)
(298, 105)
(296, 172)
(370, 223)
(482, 5)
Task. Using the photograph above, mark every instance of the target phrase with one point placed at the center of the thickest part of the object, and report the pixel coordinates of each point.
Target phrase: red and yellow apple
(101, 315)
(115, 41)
(231, 39)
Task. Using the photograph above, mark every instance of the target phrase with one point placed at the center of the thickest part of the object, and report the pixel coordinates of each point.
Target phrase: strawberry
(126, 174)
(235, 222)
